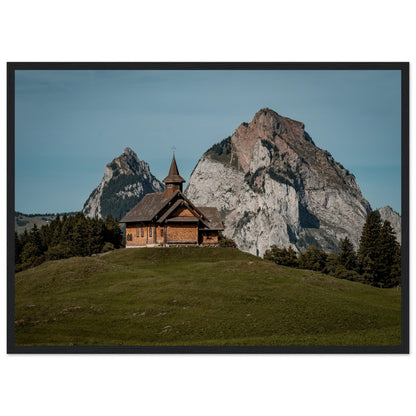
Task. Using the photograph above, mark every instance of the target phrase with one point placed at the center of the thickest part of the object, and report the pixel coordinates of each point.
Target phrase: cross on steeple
(173, 149)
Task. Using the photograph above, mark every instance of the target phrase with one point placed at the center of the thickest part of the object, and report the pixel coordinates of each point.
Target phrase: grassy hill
(197, 296)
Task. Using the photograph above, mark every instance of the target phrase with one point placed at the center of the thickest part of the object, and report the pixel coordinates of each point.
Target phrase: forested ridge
(64, 237)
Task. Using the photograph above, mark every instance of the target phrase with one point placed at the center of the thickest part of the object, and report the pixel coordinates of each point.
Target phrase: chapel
(169, 218)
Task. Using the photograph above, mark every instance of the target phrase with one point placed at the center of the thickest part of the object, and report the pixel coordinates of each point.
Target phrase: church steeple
(173, 181)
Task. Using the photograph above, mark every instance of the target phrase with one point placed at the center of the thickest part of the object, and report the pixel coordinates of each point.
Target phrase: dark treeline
(65, 237)
(51, 214)
(377, 261)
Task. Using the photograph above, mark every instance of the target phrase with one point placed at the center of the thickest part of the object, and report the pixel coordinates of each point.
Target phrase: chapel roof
(213, 216)
(151, 204)
(173, 176)
(147, 208)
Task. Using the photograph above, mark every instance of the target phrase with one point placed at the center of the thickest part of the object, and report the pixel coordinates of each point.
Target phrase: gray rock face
(126, 181)
(272, 185)
(388, 214)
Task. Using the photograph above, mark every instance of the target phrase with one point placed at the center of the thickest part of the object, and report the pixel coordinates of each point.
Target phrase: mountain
(126, 181)
(388, 214)
(273, 185)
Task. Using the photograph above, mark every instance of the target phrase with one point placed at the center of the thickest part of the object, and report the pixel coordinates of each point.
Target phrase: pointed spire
(173, 176)
(173, 181)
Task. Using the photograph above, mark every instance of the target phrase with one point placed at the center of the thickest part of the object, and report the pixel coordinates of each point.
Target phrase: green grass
(197, 296)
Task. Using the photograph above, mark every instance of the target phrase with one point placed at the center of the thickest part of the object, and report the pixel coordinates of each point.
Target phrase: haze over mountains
(269, 181)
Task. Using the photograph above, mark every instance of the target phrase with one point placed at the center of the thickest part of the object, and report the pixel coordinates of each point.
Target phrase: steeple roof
(173, 176)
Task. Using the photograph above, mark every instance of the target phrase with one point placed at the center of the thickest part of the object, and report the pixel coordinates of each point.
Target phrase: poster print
(220, 208)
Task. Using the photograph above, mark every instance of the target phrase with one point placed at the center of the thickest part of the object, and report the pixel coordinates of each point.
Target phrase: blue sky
(70, 124)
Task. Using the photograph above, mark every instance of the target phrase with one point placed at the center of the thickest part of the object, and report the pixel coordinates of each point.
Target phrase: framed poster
(208, 207)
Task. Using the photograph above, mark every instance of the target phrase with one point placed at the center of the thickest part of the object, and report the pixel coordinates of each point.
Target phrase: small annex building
(169, 218)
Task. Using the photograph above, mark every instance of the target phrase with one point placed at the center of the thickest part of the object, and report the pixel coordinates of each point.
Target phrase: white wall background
(203, 31)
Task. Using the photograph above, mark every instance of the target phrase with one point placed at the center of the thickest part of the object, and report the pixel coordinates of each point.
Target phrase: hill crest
(197, 296)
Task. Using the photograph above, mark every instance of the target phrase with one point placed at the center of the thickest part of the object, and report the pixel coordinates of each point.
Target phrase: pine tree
(24, 238)
(387, 252)
(332, 262)
(56, 235)
(55, 230)
(46, 236)
(95, 235)
(65, 230)
(368, 251)
(80, 236)
(36, 239)
(379, 253)
(369, 236)
(347, 256)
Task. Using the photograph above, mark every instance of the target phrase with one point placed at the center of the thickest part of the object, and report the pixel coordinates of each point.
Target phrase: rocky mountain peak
(126, 164)
(271, 143)
(266, 120)
(129, 151)
(269, 124)
(126, 180)
(273, 185)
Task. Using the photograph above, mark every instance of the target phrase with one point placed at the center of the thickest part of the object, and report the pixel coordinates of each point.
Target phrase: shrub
(108, 247)
(313, 258)
(29, 253)
(282, 256)
(60, 251)
(341, 272)
(226, 242)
